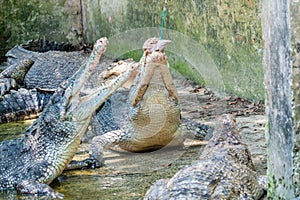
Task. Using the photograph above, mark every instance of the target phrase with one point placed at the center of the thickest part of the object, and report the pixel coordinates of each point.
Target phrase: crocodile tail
(22, 104)
(43, 45)
(26, 50)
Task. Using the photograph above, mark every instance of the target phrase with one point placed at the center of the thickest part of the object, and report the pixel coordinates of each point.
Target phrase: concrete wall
(22, 20)
(228, 31)
(295, 43)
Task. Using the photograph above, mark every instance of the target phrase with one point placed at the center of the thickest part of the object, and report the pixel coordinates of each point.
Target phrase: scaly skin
(14, 75)
(30, 72)
(224, 171)
(22, 104)
(154, 112)
(49, 69)
(30, 163)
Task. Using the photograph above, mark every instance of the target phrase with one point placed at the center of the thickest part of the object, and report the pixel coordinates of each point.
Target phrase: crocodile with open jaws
(28, 164)
(153, 115)
(225, 171)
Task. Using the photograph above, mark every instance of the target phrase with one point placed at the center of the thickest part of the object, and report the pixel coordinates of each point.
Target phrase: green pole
(163, 18)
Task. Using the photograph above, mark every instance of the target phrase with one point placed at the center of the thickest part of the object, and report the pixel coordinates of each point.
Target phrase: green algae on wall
(230, 31)
(94, 23)
(21, 20)
(176, 63)
(103, 18)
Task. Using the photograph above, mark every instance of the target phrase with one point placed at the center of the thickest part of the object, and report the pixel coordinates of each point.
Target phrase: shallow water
(13, 129)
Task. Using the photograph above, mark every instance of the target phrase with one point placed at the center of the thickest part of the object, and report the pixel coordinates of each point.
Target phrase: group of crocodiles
(30, 163)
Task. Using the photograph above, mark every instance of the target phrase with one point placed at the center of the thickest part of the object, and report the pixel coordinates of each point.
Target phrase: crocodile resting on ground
(28, 164)
(48, 68)
(225, 171)
(30, 78)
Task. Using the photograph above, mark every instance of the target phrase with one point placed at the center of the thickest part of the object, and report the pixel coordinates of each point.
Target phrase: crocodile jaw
(82, 108)
(155, 71)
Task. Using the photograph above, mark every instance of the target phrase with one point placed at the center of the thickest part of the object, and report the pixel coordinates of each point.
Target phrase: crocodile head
(227, 142)
(154, 71)
(155, 44)
(80, 106)
(117, 68)
(226, 130)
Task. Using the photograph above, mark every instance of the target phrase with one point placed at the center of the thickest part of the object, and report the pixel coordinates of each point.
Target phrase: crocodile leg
(6, 84)
(100, 142)
(36, 188)
(142, 86)
(169, 84)
(195, 130)
(96, 150)
(14, 75)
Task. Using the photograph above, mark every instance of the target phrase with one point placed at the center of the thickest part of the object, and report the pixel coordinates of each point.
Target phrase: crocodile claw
(28, 187)
(89, 163)
(6, 84)
(92, 163)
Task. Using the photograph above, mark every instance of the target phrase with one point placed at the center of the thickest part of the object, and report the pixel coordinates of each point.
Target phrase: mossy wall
(228, 30)
(23, 20)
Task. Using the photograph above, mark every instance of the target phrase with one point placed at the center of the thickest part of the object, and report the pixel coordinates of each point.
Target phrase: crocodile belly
(154, 127)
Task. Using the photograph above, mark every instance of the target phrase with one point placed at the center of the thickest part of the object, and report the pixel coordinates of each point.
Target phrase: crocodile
(30, 163)
(41, 66)
(30, 77)
(48, 69)
(224, 170)
(154, 113)
(23, 104)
